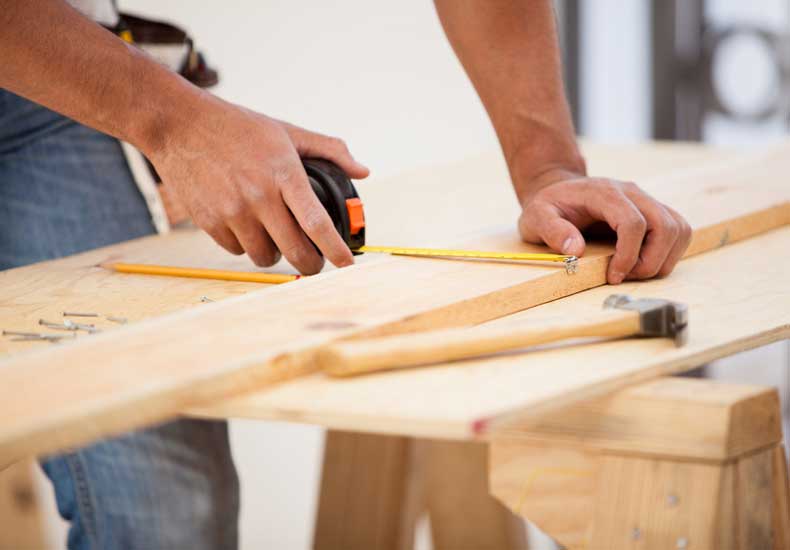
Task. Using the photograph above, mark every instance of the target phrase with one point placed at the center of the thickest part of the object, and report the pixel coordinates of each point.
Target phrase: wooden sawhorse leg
(676, 463)
(374, 488)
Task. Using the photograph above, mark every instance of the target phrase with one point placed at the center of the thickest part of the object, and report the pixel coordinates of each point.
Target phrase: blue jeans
(65, 188)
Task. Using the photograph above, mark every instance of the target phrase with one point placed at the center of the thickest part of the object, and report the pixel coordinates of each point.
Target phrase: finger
(626, 220)
(662, 233)
(311, 144)
(680, 247)
(542, 222)
(312, 216)
(256, 241)
(290, 239)
(222, 235)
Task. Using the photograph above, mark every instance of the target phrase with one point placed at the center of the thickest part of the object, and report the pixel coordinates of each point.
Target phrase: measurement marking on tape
(570, 262)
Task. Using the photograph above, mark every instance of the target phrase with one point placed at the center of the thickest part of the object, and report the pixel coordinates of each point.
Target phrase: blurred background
(382, 76)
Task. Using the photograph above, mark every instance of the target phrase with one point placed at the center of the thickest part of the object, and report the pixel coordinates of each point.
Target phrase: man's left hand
(651, 237)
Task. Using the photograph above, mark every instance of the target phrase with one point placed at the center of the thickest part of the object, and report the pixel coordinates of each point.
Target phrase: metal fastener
(79, 314)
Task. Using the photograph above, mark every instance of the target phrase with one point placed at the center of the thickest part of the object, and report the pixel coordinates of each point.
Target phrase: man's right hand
(239, 175)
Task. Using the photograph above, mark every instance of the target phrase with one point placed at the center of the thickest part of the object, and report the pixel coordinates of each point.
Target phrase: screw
(78, 314)
(205, 299)
(672, 500)
(636, 533)
(68, 325)
(682, 543)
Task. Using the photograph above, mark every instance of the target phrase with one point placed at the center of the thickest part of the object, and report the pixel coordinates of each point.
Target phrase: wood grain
(140, 374)
(670, 416)
(650, 465)
(738, 299)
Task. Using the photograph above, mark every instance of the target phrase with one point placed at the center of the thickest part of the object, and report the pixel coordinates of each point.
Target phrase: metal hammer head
(656, 317)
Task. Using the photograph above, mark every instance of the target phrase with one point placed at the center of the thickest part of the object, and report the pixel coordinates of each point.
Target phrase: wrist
(544, 157)
(164, 110)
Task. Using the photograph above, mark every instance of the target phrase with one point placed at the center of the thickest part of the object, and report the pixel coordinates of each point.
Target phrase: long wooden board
(74, 283)
(738, 298)
(147, 372)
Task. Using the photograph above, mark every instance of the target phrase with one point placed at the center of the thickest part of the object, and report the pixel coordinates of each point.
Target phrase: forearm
(54, 56)
(510, 51)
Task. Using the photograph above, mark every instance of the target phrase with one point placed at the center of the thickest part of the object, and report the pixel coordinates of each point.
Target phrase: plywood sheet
(739, 298)
(147, 372)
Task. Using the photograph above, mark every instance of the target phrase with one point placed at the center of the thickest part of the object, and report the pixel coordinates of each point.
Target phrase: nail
(566, 246)
(617, 277)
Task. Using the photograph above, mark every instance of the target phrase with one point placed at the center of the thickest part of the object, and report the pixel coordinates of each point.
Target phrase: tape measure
(341, 200)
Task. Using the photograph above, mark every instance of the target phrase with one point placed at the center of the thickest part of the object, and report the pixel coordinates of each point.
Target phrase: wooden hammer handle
(375, 354)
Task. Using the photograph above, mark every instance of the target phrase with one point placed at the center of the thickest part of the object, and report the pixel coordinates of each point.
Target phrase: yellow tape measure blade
(570, 262)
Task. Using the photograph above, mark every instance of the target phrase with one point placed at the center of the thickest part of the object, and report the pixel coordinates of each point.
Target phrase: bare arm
(237, 172)
(510, 52)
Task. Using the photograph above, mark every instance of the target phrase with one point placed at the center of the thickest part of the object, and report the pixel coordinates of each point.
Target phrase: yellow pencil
(198, 273)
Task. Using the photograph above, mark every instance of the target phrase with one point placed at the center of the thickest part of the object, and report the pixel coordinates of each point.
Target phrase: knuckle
(646, 270)
(686, 232)
(282, 172)
(666, 227)
(635, 222)
(338, 144)
(630, 187)
(315, 222)
(232, 210)
(264, 258)
(212, 226)
(297, 255)
(257, 195)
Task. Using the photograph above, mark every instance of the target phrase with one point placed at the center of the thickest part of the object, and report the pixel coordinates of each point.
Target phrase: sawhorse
(676, 463)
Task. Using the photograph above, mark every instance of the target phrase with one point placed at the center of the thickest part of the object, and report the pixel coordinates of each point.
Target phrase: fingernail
(617, 277)
(566, 246)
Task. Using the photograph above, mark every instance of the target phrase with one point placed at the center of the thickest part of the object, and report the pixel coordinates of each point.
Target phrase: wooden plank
(75, 283)
(720, 421)
(266, 336)
(738, 299)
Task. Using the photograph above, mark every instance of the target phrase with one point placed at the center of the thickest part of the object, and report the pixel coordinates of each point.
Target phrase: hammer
(623, 317)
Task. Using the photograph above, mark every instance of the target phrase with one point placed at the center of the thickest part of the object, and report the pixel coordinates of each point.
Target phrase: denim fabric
(65, 188)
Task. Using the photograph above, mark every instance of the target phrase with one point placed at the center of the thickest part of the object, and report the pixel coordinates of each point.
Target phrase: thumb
(544, 224)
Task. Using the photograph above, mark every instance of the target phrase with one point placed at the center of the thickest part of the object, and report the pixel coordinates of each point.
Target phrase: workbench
(614, 455)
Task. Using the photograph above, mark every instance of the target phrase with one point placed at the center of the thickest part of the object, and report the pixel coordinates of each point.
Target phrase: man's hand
(239, 176)
(651, 237)
(237, 173)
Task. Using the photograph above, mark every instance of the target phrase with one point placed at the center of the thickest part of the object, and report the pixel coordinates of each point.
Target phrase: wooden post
(463, 514)
(674, 463)
(374, 488)
(369, 493)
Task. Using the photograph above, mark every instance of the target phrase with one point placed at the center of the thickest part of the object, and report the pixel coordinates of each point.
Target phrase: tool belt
(168, 44)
